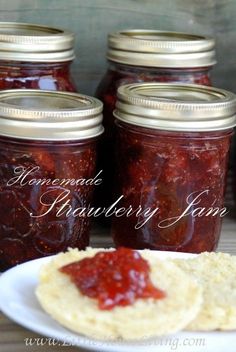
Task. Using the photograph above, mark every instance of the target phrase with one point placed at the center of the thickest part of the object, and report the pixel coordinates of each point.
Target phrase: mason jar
(35, 57)
(47, 172)
(172, 154)
(147, 56)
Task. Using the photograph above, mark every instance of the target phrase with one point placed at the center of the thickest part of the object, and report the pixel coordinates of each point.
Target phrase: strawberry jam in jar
(47, 172)
(172, 153)
(35, 57)
(147, 56)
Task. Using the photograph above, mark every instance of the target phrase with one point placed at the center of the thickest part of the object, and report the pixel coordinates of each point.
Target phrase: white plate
(19, 303)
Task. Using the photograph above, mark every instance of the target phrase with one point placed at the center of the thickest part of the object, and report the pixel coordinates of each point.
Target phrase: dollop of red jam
(115, 278)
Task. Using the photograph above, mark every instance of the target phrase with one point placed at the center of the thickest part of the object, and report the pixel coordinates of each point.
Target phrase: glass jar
(172, 154)
(147, 56)
(35, 57)
(47, 170)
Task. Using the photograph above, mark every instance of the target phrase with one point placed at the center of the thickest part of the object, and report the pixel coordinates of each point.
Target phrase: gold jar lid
(35, 43)
(176, 107)
(153, 48)
(49, 115)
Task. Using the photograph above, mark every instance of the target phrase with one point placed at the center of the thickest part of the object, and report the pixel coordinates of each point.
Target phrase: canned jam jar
(35, 57)
(147, 56)
(172, 153)
(47, 170)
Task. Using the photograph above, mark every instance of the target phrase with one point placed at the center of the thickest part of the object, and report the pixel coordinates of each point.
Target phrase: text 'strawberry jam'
(47, 149)
(35, 57)
(147, 56)
(114, 278)
(172, 154)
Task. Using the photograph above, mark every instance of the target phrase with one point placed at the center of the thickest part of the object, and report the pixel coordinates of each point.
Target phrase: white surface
(19, 303)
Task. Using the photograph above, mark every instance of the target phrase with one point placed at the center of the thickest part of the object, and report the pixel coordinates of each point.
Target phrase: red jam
(116, 76)
(115, 278)
(26, 75)
(167, 170)
(24, 237)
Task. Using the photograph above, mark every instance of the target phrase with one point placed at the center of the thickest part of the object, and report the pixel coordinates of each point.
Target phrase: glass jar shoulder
(26, 75)
(119, 74)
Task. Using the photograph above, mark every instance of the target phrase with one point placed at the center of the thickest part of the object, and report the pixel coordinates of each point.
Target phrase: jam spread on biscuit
(114, 278)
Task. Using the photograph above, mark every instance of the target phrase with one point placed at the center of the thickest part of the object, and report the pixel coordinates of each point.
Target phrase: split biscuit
(216, 273)
(146, 318)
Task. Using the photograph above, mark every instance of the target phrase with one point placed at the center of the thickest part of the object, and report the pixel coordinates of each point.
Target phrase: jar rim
(35, 43)
(49, 115)
(156, 48)
(176, 107)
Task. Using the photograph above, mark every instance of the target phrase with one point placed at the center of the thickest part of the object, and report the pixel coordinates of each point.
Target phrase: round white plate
(19, 303)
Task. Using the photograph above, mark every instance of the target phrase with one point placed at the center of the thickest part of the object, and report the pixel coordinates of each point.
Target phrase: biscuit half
(146, 318)
(216, 273)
